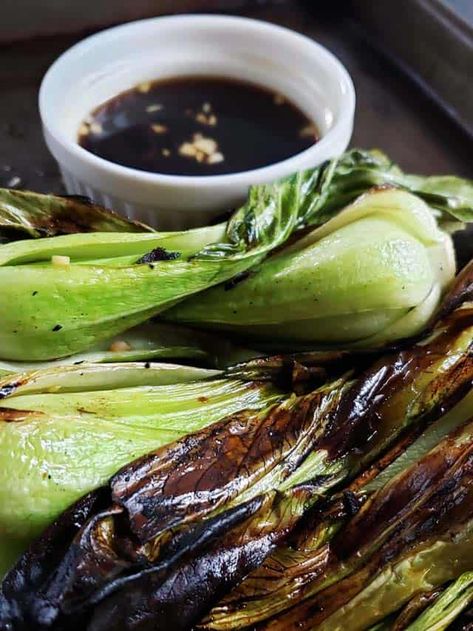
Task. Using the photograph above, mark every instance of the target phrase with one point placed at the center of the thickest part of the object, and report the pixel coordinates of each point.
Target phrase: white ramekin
(118, 58)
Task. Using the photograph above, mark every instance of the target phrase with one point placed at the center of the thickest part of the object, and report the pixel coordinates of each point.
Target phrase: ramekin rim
(265, 173)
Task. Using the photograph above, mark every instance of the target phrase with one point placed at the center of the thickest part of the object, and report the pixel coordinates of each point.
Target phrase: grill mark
(156, 255)
(414, 608)
(17, 416)
(9, 388)
(236, 280)
(451, 502)
(461, 292)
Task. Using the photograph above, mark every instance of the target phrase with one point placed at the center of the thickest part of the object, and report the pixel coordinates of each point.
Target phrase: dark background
(393, 113)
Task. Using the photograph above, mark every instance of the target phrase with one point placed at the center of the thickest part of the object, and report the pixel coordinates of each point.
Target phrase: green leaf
(35, 215)
(103, 292)
(75, 426)
(149, 342)
(106, 248)
(451, 196)
(92, 300)
(438, 617)
(341, 180)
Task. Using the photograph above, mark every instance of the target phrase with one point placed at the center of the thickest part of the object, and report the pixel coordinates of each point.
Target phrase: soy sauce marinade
(197, 126)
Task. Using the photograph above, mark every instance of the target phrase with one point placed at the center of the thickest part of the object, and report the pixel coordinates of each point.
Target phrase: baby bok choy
(54, 420)
(66, 430)
(446, 608)
(394, 548)
(94, 276)
(171, 533)
(63, 294)
(299, 567)
(372, 274)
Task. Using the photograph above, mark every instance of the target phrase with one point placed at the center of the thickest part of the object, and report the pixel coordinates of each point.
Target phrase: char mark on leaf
(158, 254)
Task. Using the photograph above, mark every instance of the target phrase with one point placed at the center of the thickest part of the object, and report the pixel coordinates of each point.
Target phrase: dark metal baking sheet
(432, 41)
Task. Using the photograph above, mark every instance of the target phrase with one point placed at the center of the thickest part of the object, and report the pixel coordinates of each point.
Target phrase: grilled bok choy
(25, 214)
(372, 274)
(393, 548)
(151, 341)
(66, 430)
(110, 413)
(107, 281)
(177, 529)
(297, 569)
(446, 608)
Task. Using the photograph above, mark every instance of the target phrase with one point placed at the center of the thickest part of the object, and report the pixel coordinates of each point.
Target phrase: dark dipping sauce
(197, 126)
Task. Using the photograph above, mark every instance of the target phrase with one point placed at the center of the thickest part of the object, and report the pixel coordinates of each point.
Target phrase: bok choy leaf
(285, 574)
(116, 280)
(66, 430)
(438, 617)
(392, 549)
(148, 342)
(212, 498)
(372, 274)
(34, 215)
